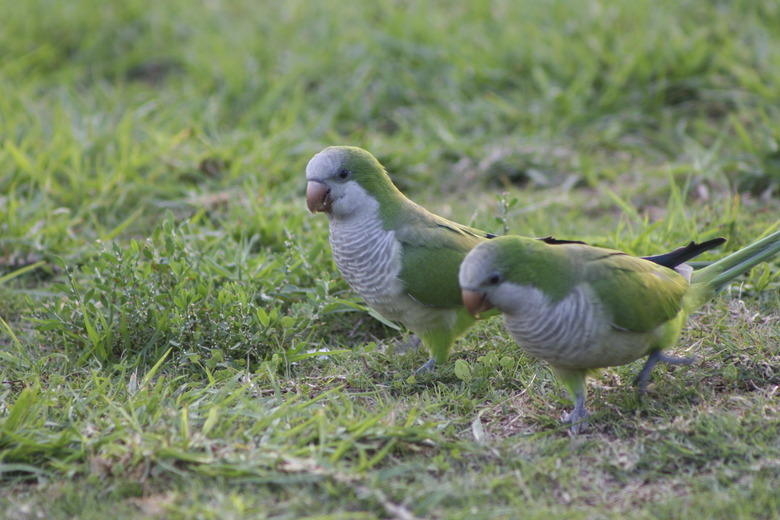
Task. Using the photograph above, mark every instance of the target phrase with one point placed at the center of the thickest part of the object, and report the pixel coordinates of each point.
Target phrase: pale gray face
(476, 268)
(326, 164)
(332, 187)
(478, 280)
(484, 284)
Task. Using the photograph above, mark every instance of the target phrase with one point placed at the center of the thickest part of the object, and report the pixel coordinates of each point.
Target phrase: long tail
(685, 253)
(707, 281)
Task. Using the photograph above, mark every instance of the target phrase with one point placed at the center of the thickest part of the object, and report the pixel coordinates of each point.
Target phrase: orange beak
(476, 302)
(318, 197)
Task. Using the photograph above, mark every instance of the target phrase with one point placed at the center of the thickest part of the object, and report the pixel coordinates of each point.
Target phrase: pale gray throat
(366, 255)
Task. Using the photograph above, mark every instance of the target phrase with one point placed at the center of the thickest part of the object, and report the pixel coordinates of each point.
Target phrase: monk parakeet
(583, 308)
(400, 258)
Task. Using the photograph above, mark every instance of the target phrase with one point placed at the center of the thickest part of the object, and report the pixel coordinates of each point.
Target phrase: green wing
(432, 249)
(640, 295)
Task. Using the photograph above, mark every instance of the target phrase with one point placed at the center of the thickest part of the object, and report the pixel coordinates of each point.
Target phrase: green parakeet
(583, 308)
(400, 258)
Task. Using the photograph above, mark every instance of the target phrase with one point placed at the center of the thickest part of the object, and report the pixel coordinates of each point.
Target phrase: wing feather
(432, 249)
(640, 294)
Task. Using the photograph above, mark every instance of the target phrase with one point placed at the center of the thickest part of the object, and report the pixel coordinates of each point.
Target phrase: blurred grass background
(165, 298)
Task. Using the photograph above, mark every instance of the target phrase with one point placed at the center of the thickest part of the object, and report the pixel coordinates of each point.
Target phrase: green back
(432, 249)
(639, 294)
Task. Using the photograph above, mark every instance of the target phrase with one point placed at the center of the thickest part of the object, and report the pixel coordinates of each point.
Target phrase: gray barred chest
(368, 258)
(576, 332)
(559, 332)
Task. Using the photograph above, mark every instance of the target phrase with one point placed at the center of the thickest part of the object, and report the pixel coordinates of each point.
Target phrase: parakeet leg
(411, 343)
(438, 342)
(578, 416)
(429, 366)
(574, 381)
(653, 359)
(440, 335)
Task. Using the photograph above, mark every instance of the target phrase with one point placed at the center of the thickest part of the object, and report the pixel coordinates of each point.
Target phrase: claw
(429, 366)
(578, 417)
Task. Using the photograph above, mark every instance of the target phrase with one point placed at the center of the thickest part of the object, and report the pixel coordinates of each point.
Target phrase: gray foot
(429, 366)
(578, 417)
(653, 359)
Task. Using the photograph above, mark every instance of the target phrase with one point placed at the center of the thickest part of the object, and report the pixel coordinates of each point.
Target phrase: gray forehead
(324, 162)
(476, 263)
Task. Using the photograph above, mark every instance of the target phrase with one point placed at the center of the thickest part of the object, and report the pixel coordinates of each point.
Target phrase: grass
(175, 339)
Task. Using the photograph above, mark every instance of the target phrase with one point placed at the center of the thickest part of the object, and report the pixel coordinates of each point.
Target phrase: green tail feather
(708, 280)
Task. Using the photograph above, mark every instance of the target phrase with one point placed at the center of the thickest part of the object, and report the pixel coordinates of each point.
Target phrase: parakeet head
(479, 278)
(343, 179)
(497, 273)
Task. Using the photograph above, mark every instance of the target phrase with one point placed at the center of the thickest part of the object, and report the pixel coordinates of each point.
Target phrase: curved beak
(318, 197)
(476, 302)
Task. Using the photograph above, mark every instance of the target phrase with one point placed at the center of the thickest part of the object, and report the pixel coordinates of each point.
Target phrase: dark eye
(343, 174)
(494, 279)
